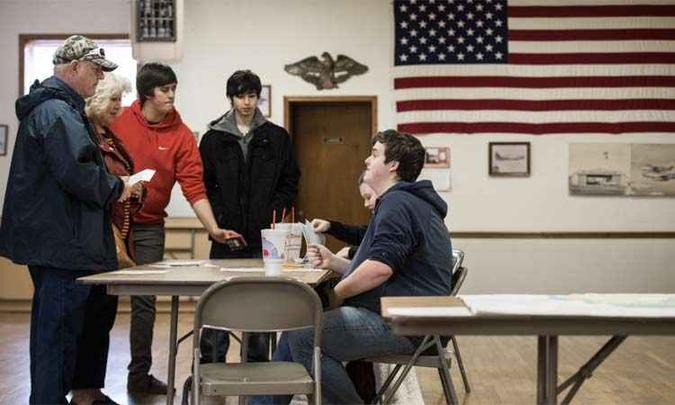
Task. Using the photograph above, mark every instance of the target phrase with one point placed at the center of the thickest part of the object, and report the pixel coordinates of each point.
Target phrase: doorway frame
(289, 101)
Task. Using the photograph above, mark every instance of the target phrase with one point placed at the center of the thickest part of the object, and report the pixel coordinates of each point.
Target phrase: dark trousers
(149, 247)
(214, 343)
(69, 334)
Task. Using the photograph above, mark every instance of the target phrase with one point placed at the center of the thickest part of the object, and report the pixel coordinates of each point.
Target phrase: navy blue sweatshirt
(407, 233)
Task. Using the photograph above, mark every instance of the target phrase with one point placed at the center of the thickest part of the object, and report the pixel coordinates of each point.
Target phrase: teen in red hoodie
(156, 138)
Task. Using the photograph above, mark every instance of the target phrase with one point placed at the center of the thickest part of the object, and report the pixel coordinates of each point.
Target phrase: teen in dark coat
(249, 172)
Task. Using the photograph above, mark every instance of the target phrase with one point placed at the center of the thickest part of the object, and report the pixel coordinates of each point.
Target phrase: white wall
(222, 36)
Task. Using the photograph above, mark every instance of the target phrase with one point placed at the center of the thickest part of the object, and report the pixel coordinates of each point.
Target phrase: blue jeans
(348, 333)
(69, 334)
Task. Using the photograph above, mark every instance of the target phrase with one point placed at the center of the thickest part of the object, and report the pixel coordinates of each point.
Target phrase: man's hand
(319, 256)
(320, 225)
(221, 235)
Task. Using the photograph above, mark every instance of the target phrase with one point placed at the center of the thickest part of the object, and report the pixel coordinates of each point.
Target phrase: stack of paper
(604, 305)
(312, 237)
(169, 264)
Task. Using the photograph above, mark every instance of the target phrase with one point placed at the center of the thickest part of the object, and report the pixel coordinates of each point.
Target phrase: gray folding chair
(441, 360)
(269, 304)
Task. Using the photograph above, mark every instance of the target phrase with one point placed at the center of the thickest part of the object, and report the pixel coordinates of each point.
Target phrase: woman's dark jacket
(57, 205)
(118, 161)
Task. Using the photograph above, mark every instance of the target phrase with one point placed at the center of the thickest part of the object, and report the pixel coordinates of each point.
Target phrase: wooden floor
(502, 370)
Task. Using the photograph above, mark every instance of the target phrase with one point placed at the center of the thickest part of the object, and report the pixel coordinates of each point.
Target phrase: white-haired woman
(101, 109)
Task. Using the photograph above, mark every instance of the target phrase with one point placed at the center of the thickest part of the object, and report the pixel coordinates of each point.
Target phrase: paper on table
(143, 175)
(179, 263)
(430, 311)
(604, 305)
(139, 272)
(243, 269)
(172, 264)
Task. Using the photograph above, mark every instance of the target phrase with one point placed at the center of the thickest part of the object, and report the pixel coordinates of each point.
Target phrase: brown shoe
(145, 384)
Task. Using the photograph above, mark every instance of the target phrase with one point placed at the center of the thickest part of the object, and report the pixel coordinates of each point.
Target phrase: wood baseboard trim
(124, 307)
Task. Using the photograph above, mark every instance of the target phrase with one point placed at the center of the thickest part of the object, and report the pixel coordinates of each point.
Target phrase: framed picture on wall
(509, 159)
(265, 102)
(437, 157)
(4, 131)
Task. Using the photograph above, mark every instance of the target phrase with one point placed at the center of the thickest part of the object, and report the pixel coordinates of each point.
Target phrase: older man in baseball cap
(81, 63)
(56, 220)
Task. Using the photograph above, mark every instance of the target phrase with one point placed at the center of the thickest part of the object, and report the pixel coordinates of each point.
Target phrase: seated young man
(405, 251)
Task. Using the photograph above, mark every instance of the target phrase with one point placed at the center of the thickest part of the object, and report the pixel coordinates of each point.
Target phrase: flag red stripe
(591, 35)
(421, 128)
(536, 105)
(533, 82)
(591, 58)
(593, 11)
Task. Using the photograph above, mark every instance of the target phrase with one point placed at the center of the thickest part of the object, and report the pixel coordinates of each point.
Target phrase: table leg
(541, 369)
(586, 371)
(552, 370)
(173, 346)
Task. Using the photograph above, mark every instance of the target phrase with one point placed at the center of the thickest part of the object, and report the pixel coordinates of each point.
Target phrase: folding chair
(441, 360)
(269, 304)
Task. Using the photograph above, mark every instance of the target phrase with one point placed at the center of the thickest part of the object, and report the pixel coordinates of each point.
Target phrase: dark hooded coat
(56, 210)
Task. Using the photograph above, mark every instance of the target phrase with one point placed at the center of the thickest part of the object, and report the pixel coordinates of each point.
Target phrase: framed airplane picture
(509, 159)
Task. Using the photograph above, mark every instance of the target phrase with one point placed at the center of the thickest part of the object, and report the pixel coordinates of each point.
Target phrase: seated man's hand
(320, 225)
(343, 253)
(319, 256)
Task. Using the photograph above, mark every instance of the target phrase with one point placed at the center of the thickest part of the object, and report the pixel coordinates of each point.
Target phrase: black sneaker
(145, 384)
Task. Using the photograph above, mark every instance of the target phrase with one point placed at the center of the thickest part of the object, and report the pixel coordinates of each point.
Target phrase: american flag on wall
(534, 67)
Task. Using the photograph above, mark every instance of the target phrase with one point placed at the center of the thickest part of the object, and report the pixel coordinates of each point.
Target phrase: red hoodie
(167, 147)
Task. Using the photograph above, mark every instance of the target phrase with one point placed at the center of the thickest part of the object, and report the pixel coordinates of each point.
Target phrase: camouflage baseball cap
(78, 47)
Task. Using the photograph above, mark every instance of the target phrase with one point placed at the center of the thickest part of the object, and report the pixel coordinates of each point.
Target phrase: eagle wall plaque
(326, 73)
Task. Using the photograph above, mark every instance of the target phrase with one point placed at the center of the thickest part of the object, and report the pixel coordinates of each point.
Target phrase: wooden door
(331, 138)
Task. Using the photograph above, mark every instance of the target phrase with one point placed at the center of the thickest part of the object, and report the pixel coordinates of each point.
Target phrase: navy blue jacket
(407, 233)
(57, 204)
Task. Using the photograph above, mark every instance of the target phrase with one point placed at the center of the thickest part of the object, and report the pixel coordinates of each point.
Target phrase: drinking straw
(292, 214)
(274, 218)
(283, 215)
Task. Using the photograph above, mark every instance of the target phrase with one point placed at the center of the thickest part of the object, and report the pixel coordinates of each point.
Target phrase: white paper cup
(273, 249)
(273, 267)
(293, 240)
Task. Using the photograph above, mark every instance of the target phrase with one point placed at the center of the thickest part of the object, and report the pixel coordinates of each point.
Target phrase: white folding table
(427, 316)
(171, 278)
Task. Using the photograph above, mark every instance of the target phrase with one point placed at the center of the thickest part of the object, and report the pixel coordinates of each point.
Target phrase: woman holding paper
(102, 108)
